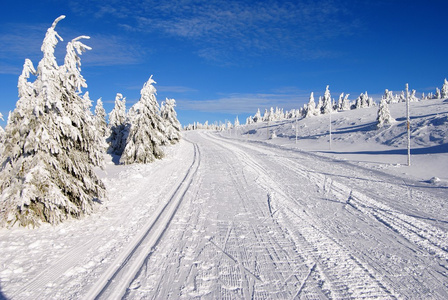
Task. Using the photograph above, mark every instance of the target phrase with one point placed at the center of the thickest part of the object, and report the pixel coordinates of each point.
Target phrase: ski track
(114, 283)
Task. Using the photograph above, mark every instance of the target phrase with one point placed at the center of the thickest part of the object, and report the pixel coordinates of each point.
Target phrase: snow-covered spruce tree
(363, 101)
(172, 124)
(100, 118)
(311, 107)
(146, 129)
(384, 117)
(438, 94)
(388, 96)
(340, 102)
(319, 106)
(346, 102)
(413, 97)
(326, 102)
(46, 172)
(257, 118)
(237, 122)
(117, 126)
(444, 92)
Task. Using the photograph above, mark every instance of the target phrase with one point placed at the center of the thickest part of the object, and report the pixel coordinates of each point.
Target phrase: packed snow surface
(246, 213)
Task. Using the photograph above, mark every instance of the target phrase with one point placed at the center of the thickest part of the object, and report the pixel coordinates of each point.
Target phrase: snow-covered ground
(237, 215)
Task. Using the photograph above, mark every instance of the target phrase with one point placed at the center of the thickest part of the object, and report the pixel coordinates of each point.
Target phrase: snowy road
(232, 219)
(263, 222)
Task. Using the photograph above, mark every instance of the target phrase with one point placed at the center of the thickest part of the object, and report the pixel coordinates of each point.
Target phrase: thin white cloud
(110, 50)
(226, 30)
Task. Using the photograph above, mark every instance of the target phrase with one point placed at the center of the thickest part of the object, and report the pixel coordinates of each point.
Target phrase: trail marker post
(408, 124)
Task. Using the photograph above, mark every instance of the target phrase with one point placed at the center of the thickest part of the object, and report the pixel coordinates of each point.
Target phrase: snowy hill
(356, 138)
(235, 215)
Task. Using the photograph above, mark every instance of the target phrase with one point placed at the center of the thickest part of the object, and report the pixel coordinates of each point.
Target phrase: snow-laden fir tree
(438, 94)
(237, 122)
(147, 131)
(363, 101)
(100, 123)
(444, 91)
(340, 102)
(388, 96)
(257, 118)
(326, 102)
(319, 106)
(413, 97)
(46, 171)
(172, 125)
(269, 116)
(311, 107)
(346, 102)
(100, 118)
(384, 118)
(117, 126)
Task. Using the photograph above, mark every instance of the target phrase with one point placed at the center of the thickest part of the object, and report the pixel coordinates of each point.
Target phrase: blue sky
(223, 58)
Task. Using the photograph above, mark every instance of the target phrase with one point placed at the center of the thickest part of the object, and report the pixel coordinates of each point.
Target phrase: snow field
(234, 215)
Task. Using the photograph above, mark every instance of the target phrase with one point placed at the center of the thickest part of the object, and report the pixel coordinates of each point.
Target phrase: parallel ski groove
(129, 263)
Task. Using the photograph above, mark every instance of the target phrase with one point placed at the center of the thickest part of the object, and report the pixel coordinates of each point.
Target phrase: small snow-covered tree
(257, 118)
(311, 107)
(100, 118)
(363, 101)
(413, 97)
(388, 96)
(100, 123)
(326, 102)
(438, 94)
(340, 102)
(384, 118)
(170, 116)
(117, 126)
(346, 102)
(46, 171)
(237, 122)
(319, 106)
(269, 115)
(146, 129)
(444, 92)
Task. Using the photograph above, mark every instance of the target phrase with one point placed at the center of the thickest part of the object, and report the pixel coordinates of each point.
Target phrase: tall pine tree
(117, 125)
(172, 125)
(46, 172)
(146, 129)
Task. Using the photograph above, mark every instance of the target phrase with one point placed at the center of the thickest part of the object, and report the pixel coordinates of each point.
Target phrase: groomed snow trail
(238, 219)
(262, 222)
